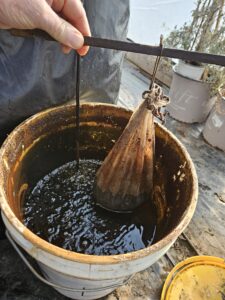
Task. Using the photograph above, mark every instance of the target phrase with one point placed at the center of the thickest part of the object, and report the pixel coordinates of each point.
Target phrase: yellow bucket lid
(196, 278)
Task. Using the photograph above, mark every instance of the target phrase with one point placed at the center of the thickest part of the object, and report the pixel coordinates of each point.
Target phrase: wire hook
(157, 63)
(154, 97)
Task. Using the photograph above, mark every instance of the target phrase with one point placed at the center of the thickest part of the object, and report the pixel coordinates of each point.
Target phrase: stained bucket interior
(47, 141)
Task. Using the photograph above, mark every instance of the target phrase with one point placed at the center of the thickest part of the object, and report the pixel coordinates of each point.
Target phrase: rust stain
(30, 132)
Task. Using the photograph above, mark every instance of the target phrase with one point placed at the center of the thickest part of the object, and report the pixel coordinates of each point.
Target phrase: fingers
(74, 12)
(3, 26)
(83, 51)
(57, 5)
(60, 29)
(66, 49)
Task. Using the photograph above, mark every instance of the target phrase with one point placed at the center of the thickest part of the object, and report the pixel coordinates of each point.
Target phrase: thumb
(60, 29)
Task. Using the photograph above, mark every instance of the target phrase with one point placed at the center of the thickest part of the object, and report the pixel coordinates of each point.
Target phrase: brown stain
(124, 180)
(60, 120)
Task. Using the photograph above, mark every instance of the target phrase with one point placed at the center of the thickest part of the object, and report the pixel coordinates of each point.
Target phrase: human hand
(64, 20)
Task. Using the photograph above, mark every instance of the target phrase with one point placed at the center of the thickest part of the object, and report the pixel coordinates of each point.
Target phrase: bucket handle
(49, 283)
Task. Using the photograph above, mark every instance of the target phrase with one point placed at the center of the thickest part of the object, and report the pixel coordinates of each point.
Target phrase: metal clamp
(56, 286)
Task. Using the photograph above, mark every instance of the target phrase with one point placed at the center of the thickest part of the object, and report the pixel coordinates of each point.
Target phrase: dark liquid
(61, 209)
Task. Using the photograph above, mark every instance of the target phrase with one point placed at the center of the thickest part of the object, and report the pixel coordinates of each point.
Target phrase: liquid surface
(61, 209)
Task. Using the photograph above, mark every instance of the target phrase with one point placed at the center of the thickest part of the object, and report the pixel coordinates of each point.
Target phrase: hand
(64, 20)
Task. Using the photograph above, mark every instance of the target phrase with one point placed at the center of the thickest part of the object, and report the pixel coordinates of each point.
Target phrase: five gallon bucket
(214, 130)
(189, 99)
(45, 142)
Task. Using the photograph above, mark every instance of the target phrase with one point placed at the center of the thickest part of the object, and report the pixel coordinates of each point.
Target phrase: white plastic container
(189, 71)
(214, 130)
(189, 99)
(76, 275)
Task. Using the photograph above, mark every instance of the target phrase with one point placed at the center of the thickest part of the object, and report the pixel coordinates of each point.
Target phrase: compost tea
(61, 209)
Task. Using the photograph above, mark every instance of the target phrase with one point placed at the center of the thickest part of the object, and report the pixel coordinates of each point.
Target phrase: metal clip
(155, 100)
(154, 96)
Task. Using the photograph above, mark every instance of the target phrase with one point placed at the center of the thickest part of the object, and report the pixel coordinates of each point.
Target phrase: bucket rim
(96, 259)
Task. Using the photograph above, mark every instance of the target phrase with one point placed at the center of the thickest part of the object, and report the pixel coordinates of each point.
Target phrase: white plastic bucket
(76, 275)
(189, 99)
(189, 71)
(214, 130)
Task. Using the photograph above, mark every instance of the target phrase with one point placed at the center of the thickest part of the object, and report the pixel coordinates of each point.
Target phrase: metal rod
(133, 47)
(77, 109)
(155, 50)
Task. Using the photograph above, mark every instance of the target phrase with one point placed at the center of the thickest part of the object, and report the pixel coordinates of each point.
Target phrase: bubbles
(61, 209)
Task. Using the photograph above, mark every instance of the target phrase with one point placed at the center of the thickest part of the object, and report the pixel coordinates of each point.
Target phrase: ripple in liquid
(61, 209)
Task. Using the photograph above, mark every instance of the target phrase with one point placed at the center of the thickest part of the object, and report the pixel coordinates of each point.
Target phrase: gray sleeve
(101, 68)
(35, 74)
